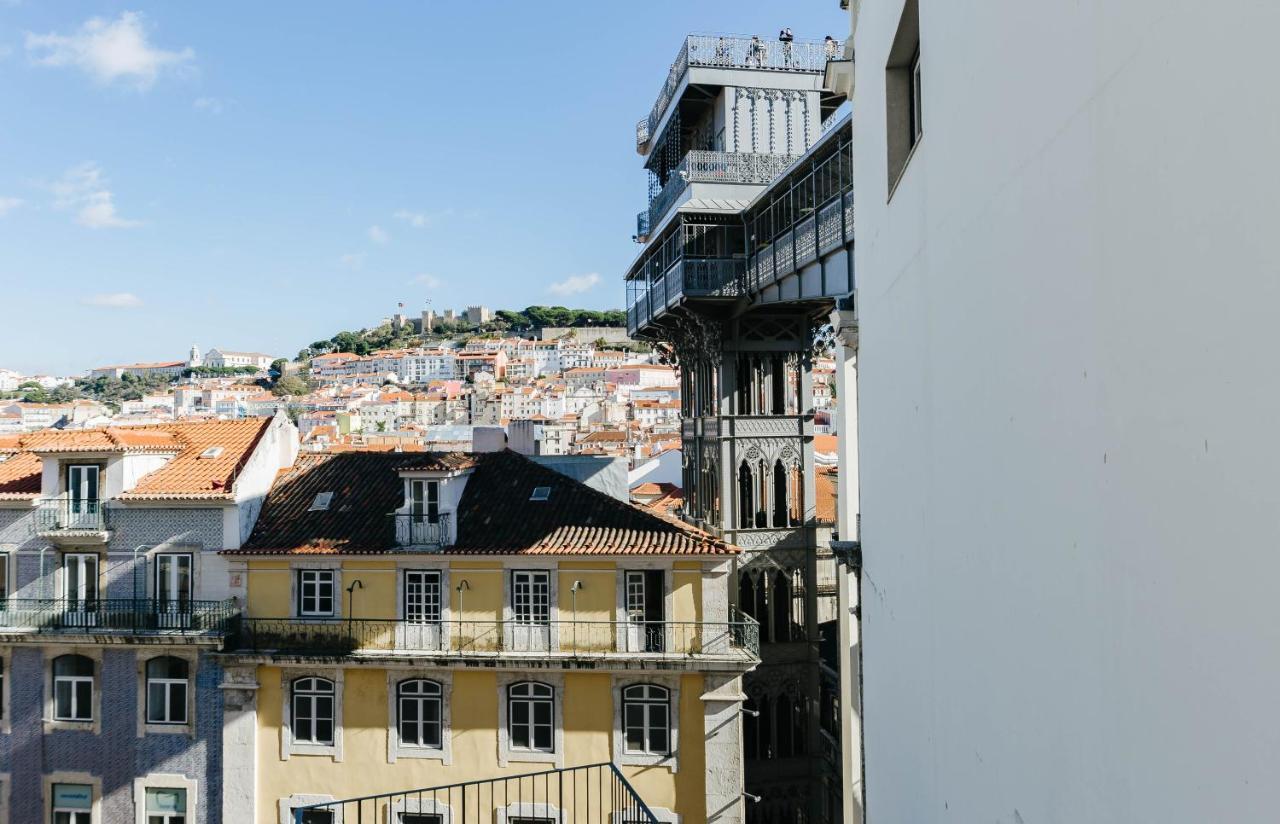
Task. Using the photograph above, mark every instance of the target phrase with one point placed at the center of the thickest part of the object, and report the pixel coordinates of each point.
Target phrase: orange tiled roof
(186, 475)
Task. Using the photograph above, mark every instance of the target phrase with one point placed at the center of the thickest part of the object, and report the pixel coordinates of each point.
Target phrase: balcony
(686, 278)
(117, 616)
(78, 521)
(717, 167)
(734, 642)
(423, 531)
(642, 227)
(588, 794)
(734, 52)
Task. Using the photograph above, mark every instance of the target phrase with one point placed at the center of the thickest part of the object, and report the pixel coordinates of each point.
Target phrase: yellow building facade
(545, 627)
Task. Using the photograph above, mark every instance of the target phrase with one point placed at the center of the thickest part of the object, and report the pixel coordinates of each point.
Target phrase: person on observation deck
(755, 51)
(786, 38)
(830, 48)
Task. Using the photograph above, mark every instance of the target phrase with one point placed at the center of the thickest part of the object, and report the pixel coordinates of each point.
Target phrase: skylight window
(540, 493)
(321, 502)
(211, 452)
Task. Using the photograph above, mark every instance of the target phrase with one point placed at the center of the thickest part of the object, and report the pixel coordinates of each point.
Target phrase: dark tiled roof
(494, 517)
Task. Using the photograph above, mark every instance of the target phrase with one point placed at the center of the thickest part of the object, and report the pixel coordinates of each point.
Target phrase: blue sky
(259, 175)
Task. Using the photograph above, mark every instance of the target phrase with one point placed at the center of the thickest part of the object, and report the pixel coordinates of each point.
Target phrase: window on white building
(904, 100)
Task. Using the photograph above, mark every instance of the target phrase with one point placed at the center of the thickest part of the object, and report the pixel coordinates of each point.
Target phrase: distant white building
(222, 358)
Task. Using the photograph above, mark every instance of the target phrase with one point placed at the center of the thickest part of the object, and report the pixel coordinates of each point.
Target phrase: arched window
(781, 598)
(531, 716)
(167, 690)
(419, 704)
(780, 500)
(72, 688)
(313, 705)
(746, 497)
(646, 719)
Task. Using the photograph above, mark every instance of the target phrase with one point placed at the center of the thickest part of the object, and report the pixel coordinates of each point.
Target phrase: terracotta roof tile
(20, 476)
(495, 515)
(186, 475)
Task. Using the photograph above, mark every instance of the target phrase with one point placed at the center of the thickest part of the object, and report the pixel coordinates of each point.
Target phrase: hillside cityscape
(813, 509)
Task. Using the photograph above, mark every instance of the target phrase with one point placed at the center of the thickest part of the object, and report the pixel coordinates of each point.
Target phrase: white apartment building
(1068, 507)
(225, 357)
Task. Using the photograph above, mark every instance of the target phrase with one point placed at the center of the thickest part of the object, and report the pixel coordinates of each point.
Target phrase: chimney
(488, 439)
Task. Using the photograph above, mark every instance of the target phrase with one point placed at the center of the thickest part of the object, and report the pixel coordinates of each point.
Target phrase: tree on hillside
(290, 385)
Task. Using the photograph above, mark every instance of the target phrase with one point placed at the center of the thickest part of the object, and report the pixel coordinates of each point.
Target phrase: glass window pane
(62, 699)
(542, 712)
(84, 700)
(155, 702)
(542, 738)
(520, 736)
(324, 731)
(178, 703)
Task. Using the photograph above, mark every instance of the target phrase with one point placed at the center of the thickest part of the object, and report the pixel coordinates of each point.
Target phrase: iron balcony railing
(127, 615)
(642, 226)
(700, 166)
(736, 52)
(423, 530)
(71, 514)
(590, 794)
(738, 639)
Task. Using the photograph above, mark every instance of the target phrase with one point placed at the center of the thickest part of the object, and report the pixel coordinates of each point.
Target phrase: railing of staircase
(590, 794)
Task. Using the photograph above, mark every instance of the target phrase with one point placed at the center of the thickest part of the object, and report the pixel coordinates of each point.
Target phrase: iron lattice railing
(730, 640)
(423, 530)
(736, 52)
(146, 615)
(590, 794)
(699, 166)
(70, 514)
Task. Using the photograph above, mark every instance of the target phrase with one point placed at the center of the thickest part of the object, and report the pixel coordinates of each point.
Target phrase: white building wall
(1067, 422)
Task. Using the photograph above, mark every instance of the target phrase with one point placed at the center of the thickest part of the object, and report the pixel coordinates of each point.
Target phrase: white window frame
(68, 777)
(74, 681)
(290, 748)
(636, 759)
(507, 754)
(311, 689)
(157, 569)
(649, 704)
(314, 574)
(421, 696)
(145, 725)
(528, 809)
(419, 806)
(6, 573)
(285, 805)
(427, 616)
(397, 750)
(82, 594)
(163, 781)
